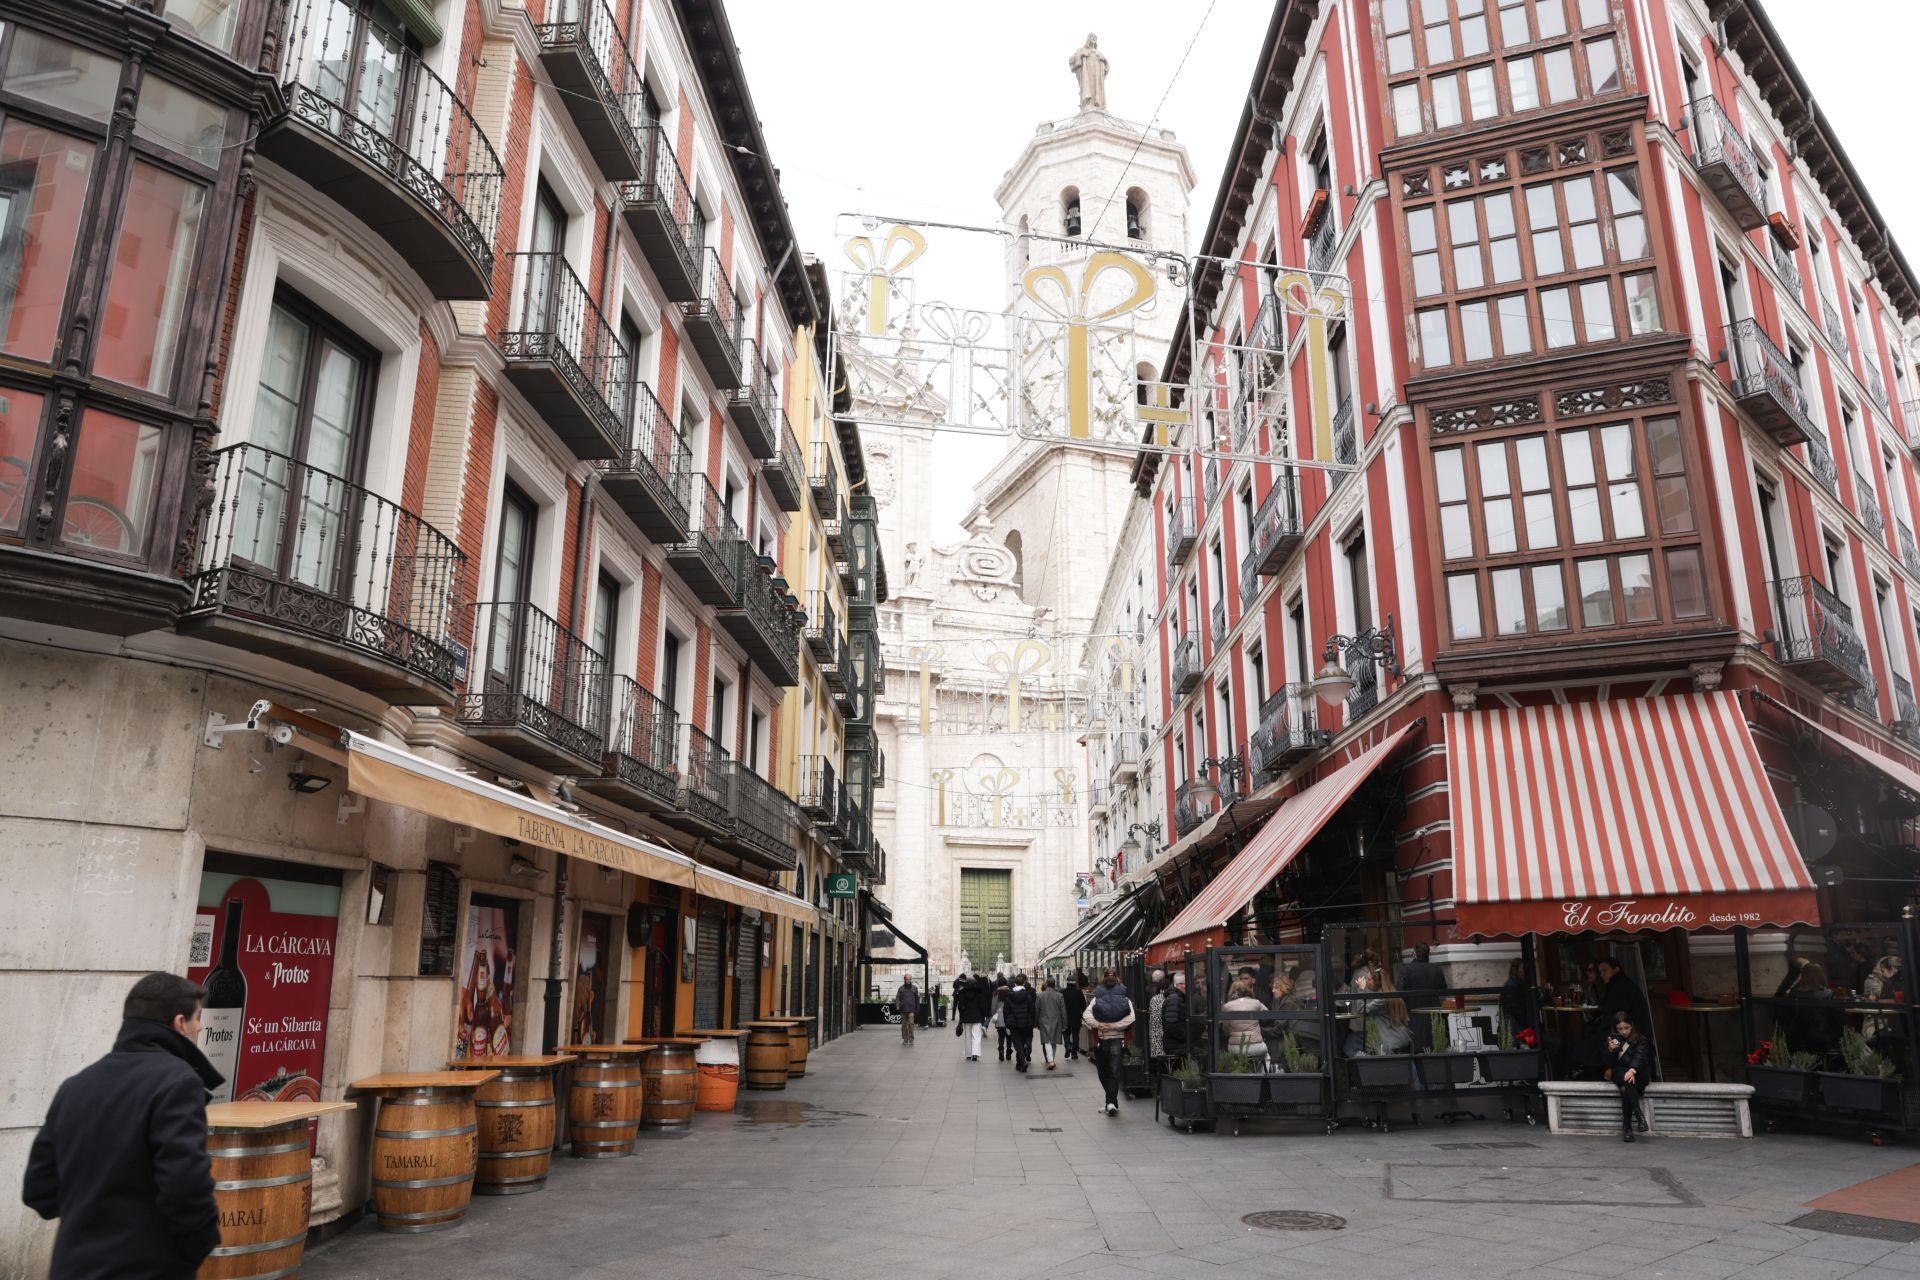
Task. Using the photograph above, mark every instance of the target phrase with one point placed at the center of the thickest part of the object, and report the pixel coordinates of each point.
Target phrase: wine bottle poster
(488, 973)
(263, 948)
(592, 979)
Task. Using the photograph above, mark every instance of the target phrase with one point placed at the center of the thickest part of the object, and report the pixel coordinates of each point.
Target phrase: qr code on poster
(200, 953)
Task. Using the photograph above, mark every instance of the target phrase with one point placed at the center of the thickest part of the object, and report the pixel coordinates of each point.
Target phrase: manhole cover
(1294, 1220)
(1032, 1130)
(1853, 1224)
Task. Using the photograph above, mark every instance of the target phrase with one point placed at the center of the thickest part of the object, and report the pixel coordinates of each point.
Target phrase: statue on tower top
(1089, 67)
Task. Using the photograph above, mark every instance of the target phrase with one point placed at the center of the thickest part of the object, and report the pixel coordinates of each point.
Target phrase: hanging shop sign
(263, 948)
(842, 884)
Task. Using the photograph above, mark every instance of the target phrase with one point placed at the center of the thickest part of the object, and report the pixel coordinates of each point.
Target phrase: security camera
(281, 733)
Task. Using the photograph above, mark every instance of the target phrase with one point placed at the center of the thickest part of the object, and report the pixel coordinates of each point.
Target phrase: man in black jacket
(1076, 998)
(122, 1159)
(970, 1006)
(1173, 1020)
(1019, 1006)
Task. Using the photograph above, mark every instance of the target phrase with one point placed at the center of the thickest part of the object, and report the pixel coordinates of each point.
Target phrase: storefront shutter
(746, 973)
(709, 935)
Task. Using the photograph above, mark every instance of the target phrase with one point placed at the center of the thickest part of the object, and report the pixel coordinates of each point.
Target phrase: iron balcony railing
(1727, 163)
(1123, 754)
(784, 470)
(823, 627)
(1865, 699)
(818, 789)
(640, 741)
(659, 207)
(1830, 321)
(559, 322)
(586, 57)
(1186, 666)
(530, 673)
(1365, 695)
(1816, 634)
(766, 626)
(1289, 729)
(656, 456)
(714, 322)
(305, 551)
(823, 477)
(380, 100)
(1910, 422)
(1191, 809)
(755, 403)
(1278, 524)
(1876, 384)
(1183, 530)
(1217, 624)
(1096, 797)
(1320, 247)
(1909, 552)
(1820, 462)
(1346, 442)
(763, 817)
(1906, 715)
(1784, 266)
(1763, 381)
(704, 790)
(1213, 480)
(710, 533)
(1867, 502)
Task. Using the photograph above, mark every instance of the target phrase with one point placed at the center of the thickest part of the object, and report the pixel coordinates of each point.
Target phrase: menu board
(440, 921)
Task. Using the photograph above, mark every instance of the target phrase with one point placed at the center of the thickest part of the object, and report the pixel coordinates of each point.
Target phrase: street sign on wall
(841, 884)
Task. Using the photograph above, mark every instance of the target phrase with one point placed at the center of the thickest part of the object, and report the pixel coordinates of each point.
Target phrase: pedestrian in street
(907, 1001)
(1425, 984)
(1021, 1011)
(998, 1017)
(970, 998)
(1244, 1034)
(1173, 1018)
(1053, 1023)
(1156, 1030)
(1619, 994)
(1074, 998)
(1629, 1057)
(122, 1158)
(1108, 1016)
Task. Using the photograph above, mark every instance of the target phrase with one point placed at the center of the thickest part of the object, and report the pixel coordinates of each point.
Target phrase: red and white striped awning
(1894, 769)
(1635, 813)
(1267, 854)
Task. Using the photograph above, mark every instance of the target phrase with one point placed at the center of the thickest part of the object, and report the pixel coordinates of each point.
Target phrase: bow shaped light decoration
(1027, 658)
(998, 784)
(1070, 306)
(1309, 294)
(880, 266)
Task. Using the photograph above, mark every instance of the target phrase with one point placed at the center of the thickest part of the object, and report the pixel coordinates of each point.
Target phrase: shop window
(152, 274)
(44, 180)
(19, 429)
(116, 462)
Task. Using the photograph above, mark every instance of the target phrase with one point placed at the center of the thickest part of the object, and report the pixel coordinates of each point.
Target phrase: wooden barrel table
(426, 1147)
(515, 1112)
(767, 1055)
(262, 1186)
(716, 1062)
(668, 1077)
(798, 1030)
(603, 1107)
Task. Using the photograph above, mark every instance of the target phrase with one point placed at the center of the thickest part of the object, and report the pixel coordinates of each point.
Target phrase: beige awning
(397, 776)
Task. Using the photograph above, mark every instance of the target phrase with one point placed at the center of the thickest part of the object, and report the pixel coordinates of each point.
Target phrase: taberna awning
(394, 775)
(1624, 814)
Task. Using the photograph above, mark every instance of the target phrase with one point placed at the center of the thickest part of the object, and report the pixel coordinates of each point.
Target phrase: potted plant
(1870, 1082)
(1301, 1082)
(1441, 1064)
(1183, 1094)
(1516, 1060)
(1778, 1074)
(1235, 1082)
(1375, 1068)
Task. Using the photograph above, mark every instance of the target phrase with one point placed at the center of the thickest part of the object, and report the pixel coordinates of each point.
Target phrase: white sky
(915, 108)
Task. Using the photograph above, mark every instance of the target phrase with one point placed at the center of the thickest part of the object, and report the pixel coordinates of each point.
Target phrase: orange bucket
(717, 1087)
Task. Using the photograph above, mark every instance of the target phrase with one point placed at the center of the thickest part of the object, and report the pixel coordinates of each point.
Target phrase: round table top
(785, 1020)
(511, 1060)
(656, 1041)
(399, 1080)
(603, 1050)
(268, 1115)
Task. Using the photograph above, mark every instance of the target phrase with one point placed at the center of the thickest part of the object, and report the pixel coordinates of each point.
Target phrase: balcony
(1835, 330)
(1183, 530)
(825, 640)
(1876, 384)
(586, 60)
(657, 209)
(1820, 462)
(705, 560)
(1321, 244)
(565, 359)
(1867, 503)
(302, 566)
(706, 799)
(1186, 663)
(1815, 637)
(1278, 526)
(764, 819)
(1910, 422)
(1346, 441)
(819, 794)
(761, 618)
(1909, 552)
(857, 849)
(1123, 757)
(1784, 266)
(389, 141)
(862, 539)
(1906, 715)
(1365, 695)
(851, 681)
(1765, 385)
(1096, 799)
(1190, 810)
(713, 322)
(1212, 479)
(1726, 163)
(823, 477)
(1217, 624)
(535, 690)
(638, 768)
(652, 478)
(782, 470)
(1288, 731)
(754, 404)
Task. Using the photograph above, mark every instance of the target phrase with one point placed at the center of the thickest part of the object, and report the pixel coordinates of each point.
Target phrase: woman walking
(1053, 1023)
(970, 1005)
(1627, 1056)
(1074, 996)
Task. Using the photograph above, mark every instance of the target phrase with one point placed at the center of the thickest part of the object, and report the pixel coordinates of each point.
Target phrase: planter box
(1236, 1089)
(1510, 1066)
(1878, 1094)
(1297, 1088)
(1445, 1068)
(1382, 1071)
(1133, 1077)
(1181, 1104)
(1781, 1084)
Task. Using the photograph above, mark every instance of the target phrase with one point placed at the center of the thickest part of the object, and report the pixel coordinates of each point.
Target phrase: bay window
(1551, 52)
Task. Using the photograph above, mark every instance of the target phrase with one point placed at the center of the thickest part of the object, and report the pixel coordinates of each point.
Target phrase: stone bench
(1672, 1110)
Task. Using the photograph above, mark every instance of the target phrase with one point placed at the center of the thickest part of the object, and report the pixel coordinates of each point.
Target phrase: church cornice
(1076, 132)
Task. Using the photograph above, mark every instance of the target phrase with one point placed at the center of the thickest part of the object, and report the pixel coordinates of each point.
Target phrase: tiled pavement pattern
(905, 1162)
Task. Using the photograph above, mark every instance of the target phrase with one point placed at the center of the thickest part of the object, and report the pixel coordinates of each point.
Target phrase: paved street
(912, 1162)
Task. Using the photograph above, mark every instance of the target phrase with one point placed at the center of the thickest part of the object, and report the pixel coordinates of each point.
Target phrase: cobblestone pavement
(894, 1161)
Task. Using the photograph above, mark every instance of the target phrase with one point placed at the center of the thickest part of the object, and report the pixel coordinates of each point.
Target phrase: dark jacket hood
(137, 1035)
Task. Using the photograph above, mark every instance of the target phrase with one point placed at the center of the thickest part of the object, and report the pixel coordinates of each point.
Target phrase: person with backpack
(1020, 1009)
(1108, 1016)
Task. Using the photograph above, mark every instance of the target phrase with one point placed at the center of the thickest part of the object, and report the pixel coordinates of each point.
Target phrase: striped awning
(1096, 926)
(1629, 814)
(1267, 854)
(1901, 774)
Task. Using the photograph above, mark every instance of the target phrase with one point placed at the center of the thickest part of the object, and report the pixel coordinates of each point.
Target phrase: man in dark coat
(1425, 984)
(1019, 1006)
(1076, 998)
(1173, 1019)
(122, 1158)
(970, 1007)
(1619, 996)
